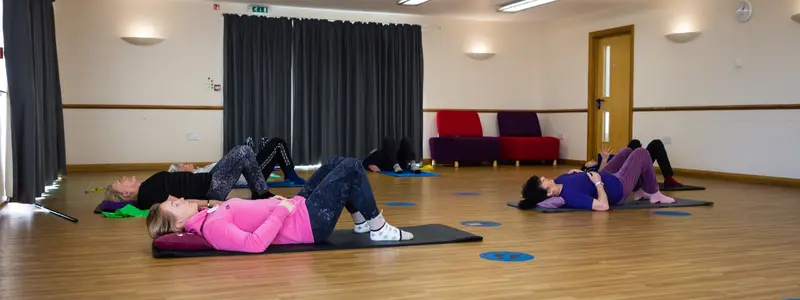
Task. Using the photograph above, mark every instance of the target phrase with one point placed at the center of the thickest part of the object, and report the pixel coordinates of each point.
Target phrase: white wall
(97, 67)
(700, 72)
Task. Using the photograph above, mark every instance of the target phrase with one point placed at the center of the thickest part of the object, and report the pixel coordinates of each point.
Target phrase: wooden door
(610, 112)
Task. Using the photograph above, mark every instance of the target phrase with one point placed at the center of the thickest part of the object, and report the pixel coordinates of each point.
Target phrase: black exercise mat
(673, 188)
(347, 239)
(630, 204)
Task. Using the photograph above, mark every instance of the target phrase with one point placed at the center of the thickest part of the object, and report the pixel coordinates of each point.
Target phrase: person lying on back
(215, 185)
(310, 217)
(597, 191)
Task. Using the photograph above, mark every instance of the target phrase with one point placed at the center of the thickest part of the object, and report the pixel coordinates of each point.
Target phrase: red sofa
(521, 138)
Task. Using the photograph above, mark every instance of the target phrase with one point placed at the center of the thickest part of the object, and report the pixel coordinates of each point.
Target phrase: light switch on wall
(666, 140)
(193, 136)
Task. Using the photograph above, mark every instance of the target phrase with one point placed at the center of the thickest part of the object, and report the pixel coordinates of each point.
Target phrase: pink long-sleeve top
(252, 225)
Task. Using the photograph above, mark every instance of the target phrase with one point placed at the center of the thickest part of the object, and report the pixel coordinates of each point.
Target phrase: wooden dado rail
(641, 109)
(687, 172)
(126, 106)
(541, 111)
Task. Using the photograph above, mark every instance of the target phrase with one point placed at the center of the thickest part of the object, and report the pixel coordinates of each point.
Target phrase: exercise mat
(430, 234)
(408, 173)
(630, 204)
(661, 187)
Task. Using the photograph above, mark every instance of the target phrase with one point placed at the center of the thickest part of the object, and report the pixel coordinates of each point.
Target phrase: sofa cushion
(458, 123)
(518, 124)
(529, 148)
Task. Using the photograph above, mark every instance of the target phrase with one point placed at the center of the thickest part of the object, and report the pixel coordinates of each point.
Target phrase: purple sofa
(461, 140)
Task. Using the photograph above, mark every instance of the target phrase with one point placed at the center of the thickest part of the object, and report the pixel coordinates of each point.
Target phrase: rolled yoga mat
(345, 239)
(661, 187)
(630, 204)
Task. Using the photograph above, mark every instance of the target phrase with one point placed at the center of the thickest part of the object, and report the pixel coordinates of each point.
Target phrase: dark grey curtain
(257, 78)
(355, 83)
(34, 90)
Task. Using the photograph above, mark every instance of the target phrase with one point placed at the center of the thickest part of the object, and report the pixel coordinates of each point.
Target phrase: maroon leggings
(630, 166)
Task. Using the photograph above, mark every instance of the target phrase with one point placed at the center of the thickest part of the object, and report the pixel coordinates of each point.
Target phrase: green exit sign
(258, 9)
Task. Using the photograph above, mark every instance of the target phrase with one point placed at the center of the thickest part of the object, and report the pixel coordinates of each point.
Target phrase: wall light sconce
(682, 37)
(479, 55)
(796, 17)
(142, 41)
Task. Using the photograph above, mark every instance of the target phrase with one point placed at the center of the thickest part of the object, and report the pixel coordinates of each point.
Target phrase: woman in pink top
(252, 225)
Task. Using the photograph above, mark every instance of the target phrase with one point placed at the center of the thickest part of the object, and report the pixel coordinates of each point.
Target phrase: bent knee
(277, 140)
(242, 149)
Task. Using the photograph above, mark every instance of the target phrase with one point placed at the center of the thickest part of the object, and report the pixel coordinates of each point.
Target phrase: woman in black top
(214, 185)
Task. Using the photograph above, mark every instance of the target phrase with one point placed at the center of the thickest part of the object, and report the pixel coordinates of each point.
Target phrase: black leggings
(339, 184)
(658, 153)
(390, 153)
(275, 152)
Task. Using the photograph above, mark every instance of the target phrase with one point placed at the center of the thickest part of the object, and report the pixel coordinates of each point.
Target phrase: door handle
(599, 103)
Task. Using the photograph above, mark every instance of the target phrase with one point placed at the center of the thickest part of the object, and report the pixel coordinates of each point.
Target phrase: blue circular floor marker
(672, 213)
(465, 194)
(505, 256)
(480, 223)
(404, 204)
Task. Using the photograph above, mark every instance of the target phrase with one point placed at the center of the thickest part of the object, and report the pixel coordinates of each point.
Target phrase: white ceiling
(469, 9)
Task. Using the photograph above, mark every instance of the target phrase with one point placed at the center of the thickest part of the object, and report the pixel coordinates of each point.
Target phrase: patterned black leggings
(275, 152)
(239, 161)
(340, 183)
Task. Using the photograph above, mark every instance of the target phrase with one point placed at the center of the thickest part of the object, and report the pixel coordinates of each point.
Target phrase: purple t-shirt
(579, 191)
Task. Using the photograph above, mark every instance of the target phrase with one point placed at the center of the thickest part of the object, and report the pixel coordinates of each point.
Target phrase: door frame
(594, 38)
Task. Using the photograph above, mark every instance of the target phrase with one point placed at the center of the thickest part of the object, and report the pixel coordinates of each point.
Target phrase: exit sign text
(258, 9)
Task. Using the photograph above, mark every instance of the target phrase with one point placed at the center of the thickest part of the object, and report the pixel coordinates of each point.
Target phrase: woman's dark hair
(635, 144)
(532, 193)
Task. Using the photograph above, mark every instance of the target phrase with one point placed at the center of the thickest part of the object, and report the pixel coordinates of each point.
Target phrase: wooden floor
(747, 246)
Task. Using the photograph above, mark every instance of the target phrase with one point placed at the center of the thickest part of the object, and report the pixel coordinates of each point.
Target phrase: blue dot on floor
(400, 204)
(506, 256)
(480, 223)
(672, 213)
(465, 194)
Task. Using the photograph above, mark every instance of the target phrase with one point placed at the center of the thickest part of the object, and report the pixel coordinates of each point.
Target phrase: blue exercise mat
(274, 184)
(408, 173)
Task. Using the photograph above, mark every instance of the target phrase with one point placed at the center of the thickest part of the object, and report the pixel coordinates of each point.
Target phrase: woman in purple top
(598, 191)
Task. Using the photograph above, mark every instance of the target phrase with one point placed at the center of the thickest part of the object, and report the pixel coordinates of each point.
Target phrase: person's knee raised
(657, 143)
(352, 163)
(641, 152)
(634, 144)
(335, 160)
(243, 149)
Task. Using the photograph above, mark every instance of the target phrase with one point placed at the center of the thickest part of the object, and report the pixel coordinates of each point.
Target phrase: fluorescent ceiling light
(411, 2)
(523, 5)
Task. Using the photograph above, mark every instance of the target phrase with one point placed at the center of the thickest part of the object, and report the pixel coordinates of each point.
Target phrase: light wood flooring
(747, 246)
